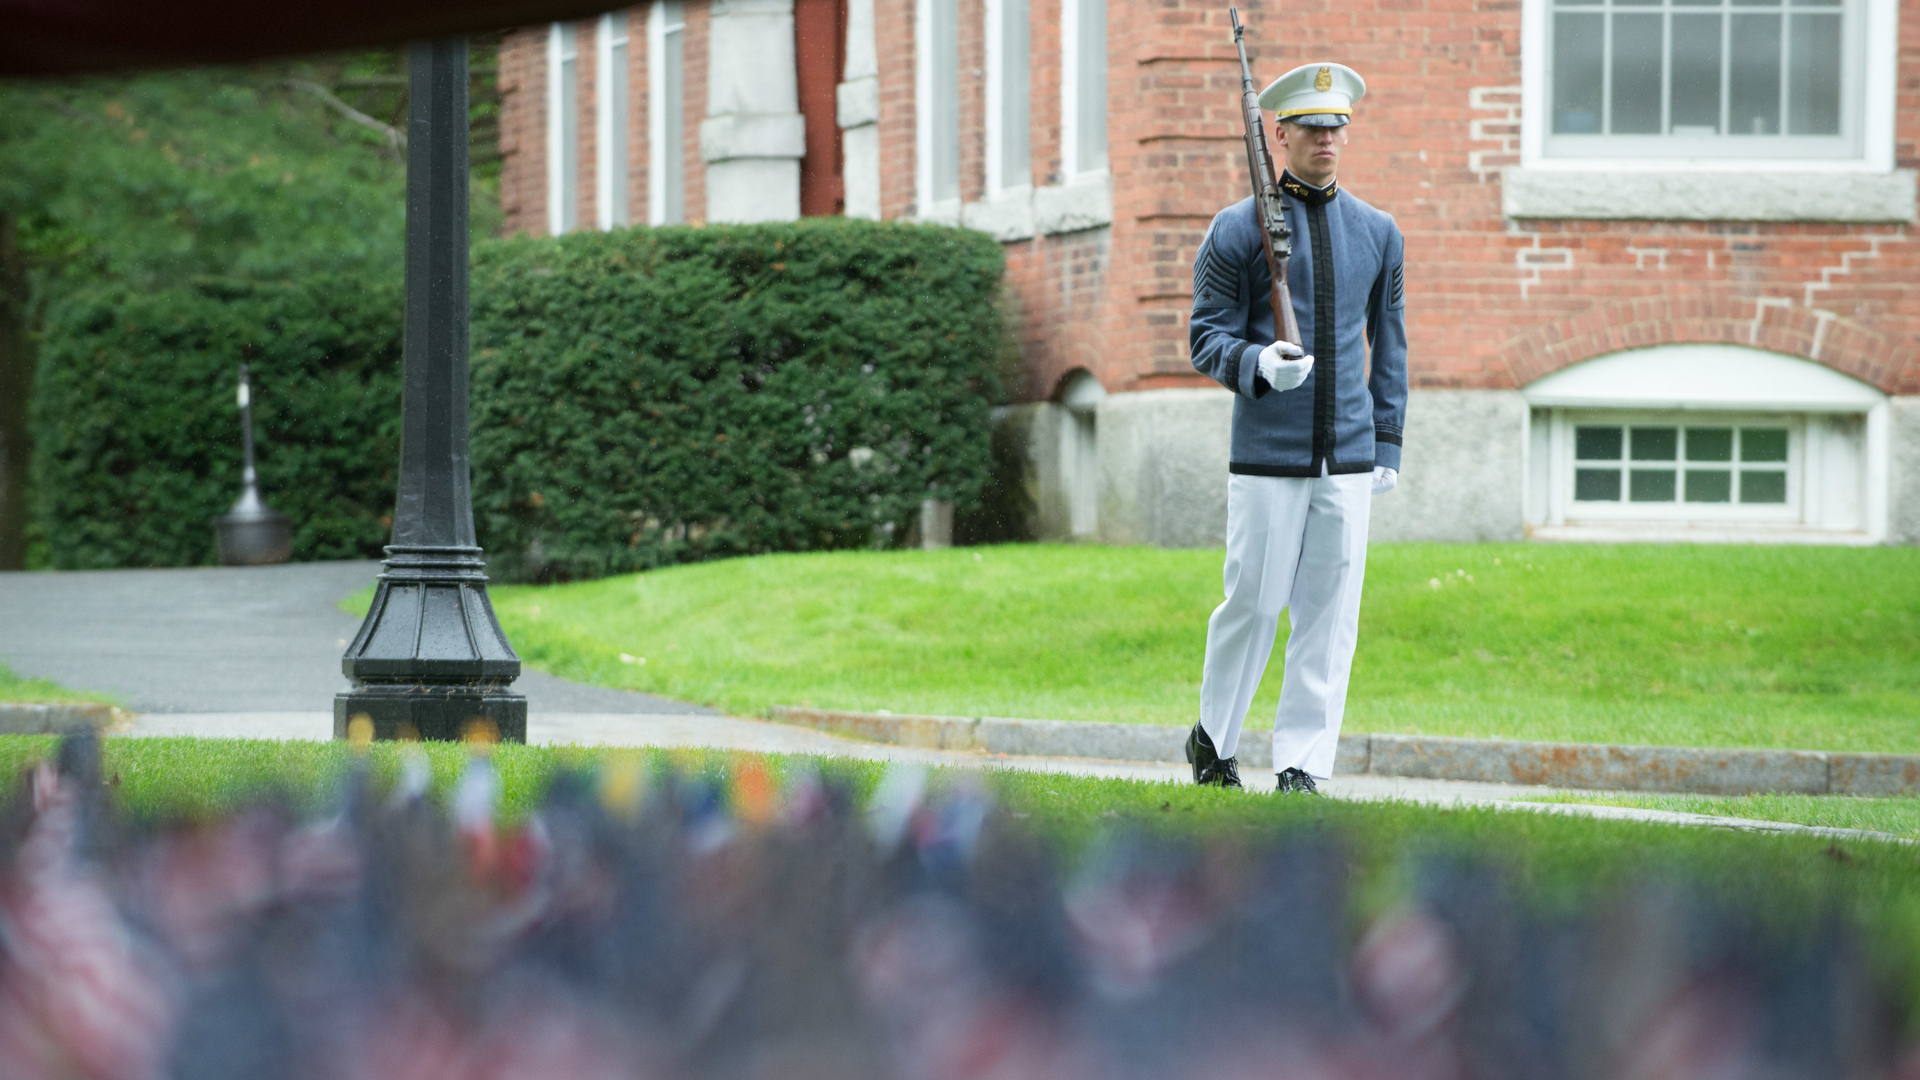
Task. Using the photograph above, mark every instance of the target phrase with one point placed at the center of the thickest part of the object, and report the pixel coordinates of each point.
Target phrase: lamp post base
(433, 713)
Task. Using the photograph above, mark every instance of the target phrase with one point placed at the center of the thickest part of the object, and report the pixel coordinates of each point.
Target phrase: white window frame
(1873, 24)
(610, 206)
(657, 149)
(1842, 432)
(557, 187)
(998, 181)
(1679, 512)
(946, 211)
(1070, 96)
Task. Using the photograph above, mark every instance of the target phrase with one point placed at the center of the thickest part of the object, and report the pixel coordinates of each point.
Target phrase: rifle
(1276, 238)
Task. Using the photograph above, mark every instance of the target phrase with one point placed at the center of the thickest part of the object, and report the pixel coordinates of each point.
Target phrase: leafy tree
(205, 185)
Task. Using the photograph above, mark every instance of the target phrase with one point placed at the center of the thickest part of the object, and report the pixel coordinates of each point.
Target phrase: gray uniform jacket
(1349, 297)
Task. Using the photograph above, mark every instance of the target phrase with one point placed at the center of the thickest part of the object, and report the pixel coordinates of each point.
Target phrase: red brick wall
(523, 121)
(638, 105)
(587, 37)
(893, 37)
(523, 130)
(1492, 303)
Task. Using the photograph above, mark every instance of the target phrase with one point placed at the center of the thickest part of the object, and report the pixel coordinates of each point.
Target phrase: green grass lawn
(1803, 647)
(14, 688)
(1555, 859)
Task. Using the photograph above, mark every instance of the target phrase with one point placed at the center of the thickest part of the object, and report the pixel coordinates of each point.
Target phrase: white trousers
(1299, 543)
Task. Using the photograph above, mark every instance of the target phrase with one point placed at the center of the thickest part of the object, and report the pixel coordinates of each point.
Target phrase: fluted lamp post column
(430, 660)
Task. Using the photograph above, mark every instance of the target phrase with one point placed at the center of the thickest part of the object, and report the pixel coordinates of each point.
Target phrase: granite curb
(1600, 766)
(57, 718)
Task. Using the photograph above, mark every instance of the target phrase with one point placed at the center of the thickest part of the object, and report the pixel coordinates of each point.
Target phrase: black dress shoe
(1208, 766)
(1296, 782)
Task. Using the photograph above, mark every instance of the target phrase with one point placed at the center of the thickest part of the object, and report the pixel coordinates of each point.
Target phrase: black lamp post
(250, 533)
(430, 660)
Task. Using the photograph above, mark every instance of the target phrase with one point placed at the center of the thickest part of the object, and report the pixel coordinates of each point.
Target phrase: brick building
(1662, 270)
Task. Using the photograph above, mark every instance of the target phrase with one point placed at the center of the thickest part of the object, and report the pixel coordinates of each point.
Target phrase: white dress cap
(1318, 95)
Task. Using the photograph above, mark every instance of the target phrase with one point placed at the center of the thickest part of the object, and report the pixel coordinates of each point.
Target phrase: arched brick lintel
(1845, 346)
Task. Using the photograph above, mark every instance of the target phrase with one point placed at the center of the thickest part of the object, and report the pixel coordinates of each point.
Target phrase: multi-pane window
(610, 118)
(1009, 101)
(1702, 78)
(1084, 40)
(563, 129)
(1681, 464)
(666, 114)
(944, 53)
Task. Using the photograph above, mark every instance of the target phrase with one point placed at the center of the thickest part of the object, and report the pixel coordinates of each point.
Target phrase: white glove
(1284, 365)
(1384, 479)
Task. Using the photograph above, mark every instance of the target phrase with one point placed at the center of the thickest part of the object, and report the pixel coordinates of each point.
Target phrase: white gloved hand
(1384, 479)
(1284, 365)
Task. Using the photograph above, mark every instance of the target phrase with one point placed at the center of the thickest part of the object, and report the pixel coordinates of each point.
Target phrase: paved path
(255, 653)
(228, 639)
(760, 736)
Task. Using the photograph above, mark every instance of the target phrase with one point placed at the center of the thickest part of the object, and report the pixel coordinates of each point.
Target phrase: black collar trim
(1306, 192)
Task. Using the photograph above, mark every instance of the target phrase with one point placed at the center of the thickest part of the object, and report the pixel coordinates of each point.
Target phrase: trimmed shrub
(137, 433)
(638, 398)
(651, 396)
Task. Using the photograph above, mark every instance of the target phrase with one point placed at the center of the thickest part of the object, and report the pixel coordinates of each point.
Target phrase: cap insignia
(1323, 82)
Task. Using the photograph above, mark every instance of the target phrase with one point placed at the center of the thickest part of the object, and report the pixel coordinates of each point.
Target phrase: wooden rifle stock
(1276, 237)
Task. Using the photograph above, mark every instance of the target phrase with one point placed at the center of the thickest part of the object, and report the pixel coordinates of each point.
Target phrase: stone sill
(1021, 213)
(1632, 532)
(1709, 196)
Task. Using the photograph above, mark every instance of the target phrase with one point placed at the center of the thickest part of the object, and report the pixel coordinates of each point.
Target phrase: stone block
(1163, 467)
(1462, 470)
(753, 135)
(1601, 766)
(1903, 468)
(1081, 739)
(1753, 195)
(1873, 774)
(60, 718)
(1084, 203)
(746, 190)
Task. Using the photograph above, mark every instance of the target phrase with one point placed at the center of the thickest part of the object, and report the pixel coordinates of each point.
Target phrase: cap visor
(1322, 119)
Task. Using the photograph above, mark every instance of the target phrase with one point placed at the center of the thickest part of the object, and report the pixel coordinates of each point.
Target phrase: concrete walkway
(255, 653)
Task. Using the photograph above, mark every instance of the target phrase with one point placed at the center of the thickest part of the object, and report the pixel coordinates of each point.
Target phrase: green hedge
(639, 397)
(650, 396)
(137, 433)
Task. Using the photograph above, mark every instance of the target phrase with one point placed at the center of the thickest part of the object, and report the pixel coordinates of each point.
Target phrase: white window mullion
(563, 130)
(610, 121)
(1666, 70)
(1606, 72)
(602, 123)
(923, 105)
(555, 148)
(1069, 87)
(1726, 81)
(666, 113)
(995, 29)
(936, 110)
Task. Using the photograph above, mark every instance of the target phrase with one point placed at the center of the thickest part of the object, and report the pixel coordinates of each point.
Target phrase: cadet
(1315, 436)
